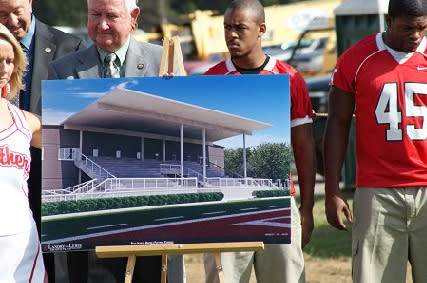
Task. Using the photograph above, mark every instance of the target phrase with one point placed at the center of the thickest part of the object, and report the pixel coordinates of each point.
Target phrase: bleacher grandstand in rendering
(131, 143)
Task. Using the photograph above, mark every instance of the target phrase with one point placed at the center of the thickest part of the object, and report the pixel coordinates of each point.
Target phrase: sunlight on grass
(326, 241)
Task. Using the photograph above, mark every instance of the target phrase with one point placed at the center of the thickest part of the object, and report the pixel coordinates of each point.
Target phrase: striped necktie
(110, 69)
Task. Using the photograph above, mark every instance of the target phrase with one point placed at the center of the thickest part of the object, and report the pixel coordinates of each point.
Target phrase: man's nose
(12, 20)
(103, 23)
(232, 33)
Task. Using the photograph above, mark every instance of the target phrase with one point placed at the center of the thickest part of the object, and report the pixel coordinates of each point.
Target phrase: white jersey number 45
(388, 112)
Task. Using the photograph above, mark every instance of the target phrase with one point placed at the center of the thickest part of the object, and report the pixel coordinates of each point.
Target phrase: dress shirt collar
(26, 41)
(121, 53)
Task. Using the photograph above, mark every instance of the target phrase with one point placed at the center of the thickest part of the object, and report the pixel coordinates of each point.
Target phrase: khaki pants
(277, 263)
(390, 228)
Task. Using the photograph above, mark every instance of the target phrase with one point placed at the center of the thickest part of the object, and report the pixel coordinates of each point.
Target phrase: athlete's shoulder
(218, 69)
(362, 49)
(284, 68)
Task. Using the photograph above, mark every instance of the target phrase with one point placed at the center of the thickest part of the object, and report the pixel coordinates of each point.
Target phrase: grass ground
(327, 256)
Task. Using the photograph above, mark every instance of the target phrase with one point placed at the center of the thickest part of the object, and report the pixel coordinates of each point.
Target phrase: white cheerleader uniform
(20, 252)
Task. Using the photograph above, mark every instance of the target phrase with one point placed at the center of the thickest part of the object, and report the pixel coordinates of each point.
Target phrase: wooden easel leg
(164, 268)
(219, 267)
(130, 268)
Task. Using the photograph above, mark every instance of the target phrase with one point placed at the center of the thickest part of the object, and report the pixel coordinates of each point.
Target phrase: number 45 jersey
(390, 91)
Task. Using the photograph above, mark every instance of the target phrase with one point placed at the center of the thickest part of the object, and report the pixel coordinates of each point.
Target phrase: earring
(6, 90)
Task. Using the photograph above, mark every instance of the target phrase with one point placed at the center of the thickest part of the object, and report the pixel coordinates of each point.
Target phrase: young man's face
(242, 32)
(406, 32)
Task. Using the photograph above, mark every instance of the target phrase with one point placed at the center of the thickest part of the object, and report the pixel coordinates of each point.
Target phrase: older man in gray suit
(115, 53)
(111, 35)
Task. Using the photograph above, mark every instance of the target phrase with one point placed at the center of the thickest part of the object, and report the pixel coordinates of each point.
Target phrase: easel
(170, 47)
(132, 251)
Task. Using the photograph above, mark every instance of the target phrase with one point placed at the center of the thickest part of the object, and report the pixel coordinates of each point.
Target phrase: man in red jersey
(244, 25)
(383, 80)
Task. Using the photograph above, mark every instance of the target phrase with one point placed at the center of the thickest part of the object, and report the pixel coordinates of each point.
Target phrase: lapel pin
(48, 50)
(140, 66)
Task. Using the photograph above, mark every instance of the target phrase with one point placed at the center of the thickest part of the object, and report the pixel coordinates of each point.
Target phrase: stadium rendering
(130, 143)
(141, 160)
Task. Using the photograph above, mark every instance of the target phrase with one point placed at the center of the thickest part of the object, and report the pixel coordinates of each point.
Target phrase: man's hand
(307, 225)
(335, 205)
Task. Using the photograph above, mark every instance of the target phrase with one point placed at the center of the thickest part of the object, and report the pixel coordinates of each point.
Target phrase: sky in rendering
(258, 97)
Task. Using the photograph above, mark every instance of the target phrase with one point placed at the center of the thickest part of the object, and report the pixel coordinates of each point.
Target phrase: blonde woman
(20, 254)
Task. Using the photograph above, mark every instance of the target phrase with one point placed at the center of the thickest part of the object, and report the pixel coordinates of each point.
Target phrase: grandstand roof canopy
(143, 112)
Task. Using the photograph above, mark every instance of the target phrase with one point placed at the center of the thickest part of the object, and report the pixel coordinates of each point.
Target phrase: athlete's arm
(341, 108)
(35, 124)
(305, 160)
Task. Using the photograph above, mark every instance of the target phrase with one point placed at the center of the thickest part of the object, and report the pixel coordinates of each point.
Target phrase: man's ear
(388, 20)
(262, 29)
(31, 5)
(134, 18)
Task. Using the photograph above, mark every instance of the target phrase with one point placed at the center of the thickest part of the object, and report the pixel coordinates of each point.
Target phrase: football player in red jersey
(383, 80)
(244, 25)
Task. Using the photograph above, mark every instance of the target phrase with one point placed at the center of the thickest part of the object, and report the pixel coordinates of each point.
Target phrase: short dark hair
(414, 8)
(253, 6)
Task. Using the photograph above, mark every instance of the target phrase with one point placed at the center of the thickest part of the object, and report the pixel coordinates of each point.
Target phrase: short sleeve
(344, 73)
(301, 108)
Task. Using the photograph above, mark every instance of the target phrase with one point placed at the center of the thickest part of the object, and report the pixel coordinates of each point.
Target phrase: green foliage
(63, 207)
(266, 161)
(326, 241)
(233, 160)
(271, 193)
(61, 13)
(74, 12)
(271, 161)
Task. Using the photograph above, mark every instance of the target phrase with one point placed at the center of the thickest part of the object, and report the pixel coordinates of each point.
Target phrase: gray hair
(129, 4)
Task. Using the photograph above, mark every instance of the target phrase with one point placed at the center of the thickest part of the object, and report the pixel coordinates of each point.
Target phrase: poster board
(126, 134)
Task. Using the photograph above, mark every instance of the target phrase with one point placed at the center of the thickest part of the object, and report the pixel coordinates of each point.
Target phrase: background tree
(73, 13)
(233, 161)
(271, 161)
(61, 13)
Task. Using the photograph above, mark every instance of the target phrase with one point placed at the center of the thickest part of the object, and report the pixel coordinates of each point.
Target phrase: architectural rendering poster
(197, 159)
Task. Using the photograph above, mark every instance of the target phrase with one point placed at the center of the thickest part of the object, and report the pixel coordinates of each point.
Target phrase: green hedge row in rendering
(63, 207)
(271, 193)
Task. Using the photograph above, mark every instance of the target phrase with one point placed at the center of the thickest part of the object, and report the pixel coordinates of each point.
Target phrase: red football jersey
(390, 91)
(301, 109)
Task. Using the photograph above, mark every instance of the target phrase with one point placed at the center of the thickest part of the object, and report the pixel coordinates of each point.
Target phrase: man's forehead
(14, 3)
(411, 20)
(106, 3)
(239, 16)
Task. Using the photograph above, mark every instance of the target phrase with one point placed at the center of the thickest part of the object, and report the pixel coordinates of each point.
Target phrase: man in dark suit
(41, 43)
(110, 24)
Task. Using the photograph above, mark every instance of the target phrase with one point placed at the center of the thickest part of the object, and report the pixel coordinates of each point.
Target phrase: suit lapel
(89, 67)
(44, 50)
(136, 65)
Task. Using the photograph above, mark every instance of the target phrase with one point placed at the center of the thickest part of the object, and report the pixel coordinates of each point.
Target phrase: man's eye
(112, 16)
(19, 12)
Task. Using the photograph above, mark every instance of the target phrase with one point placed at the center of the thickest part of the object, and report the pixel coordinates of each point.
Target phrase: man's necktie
(110, 69)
